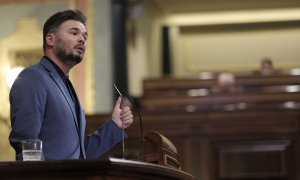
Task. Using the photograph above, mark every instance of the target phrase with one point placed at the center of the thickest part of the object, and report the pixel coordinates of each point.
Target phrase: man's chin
(73, 60)
(77, 59)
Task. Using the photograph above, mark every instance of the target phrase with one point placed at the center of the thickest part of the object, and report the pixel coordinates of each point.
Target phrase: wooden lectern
(158, 149)
(110, 169)
(158, 160)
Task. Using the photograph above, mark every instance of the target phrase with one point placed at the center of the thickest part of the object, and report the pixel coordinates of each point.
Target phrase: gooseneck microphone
(123, 131)
(124, 96)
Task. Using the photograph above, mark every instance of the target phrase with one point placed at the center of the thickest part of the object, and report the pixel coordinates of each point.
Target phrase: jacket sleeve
(103, 139)
(27, 99)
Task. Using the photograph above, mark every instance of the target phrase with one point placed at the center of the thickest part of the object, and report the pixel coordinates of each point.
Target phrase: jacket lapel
(53, 73)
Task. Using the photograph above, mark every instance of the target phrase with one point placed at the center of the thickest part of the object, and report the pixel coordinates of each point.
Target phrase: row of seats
(192, 94)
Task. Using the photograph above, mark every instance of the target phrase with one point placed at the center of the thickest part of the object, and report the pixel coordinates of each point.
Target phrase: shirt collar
(59, 71)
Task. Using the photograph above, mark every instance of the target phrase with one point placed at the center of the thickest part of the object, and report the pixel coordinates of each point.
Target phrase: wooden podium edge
(85, 169)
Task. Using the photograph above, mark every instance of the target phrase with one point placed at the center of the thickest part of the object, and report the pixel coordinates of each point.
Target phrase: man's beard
(70, 59)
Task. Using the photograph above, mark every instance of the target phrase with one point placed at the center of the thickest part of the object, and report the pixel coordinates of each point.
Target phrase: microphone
(124, 96)
(123, 132)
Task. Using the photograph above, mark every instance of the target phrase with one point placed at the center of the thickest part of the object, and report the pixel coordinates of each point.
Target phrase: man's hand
(122, 114)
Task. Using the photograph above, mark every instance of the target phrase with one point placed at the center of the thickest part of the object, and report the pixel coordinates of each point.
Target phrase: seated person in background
(266, 67)
(226, 84)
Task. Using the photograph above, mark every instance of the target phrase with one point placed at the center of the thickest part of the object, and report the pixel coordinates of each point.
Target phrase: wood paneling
(260, 141)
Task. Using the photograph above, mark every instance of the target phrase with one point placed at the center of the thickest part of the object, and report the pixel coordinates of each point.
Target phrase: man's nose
(81, 39)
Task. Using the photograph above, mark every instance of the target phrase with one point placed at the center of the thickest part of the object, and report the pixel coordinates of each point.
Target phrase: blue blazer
(41, 107)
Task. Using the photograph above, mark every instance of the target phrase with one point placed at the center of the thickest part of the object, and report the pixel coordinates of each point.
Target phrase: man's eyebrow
(77, 29)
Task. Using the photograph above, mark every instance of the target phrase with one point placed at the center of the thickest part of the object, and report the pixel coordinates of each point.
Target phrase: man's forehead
(72, 24)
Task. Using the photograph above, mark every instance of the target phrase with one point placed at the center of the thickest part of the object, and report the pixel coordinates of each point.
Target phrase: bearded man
(44, 104)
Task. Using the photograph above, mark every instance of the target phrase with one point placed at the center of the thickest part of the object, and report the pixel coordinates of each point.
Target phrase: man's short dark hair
(58, 18)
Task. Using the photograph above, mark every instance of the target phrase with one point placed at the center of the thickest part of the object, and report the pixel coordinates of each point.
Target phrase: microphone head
(120, 94)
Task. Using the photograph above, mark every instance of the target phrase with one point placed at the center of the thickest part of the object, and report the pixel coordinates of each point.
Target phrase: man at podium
(44, 104)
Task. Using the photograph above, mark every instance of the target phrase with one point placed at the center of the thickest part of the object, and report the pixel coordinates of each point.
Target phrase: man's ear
(50, 39)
